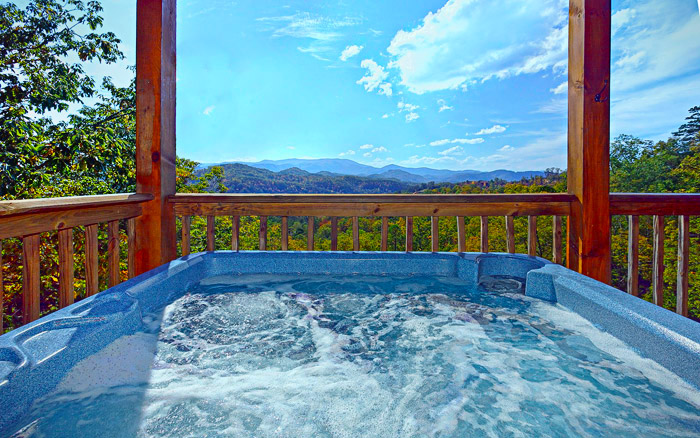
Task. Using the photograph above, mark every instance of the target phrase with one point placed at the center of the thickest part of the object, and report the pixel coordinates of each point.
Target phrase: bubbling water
(275, 356)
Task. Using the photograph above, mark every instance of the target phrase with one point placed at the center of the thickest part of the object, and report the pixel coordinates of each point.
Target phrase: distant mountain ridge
(413, 175)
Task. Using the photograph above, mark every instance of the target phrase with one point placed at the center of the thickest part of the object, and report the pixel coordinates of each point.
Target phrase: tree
(37, 76)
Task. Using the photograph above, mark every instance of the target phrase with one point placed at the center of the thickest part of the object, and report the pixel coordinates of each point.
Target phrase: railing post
(683, 259)
(588, 173)
(155, 131)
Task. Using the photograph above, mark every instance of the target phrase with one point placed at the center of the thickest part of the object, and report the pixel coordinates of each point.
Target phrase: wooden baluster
(461, 235)
(633, 255)
(262, 234)
(334, 234)
(556, 240)
(131, 245)
(66, 270)
(532, 235)
(31, 280)
(211, 226)
(409, 233)
(484, 234)
(186, 229)
(355, 234)
(284, 243)
(113, 253)
(682, 273)
(2, 295)
(658, 264)
(385, 233)
(91, 274)
(310, 233)
(235, 228)
(510, 235)
(434, 237)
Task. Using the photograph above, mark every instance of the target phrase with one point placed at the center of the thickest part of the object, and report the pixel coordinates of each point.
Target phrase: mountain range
(413, 175)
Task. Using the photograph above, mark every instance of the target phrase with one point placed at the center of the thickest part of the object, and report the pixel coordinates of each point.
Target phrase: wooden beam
(92, 282)
(633, 256)
(155, 131)
(435, 233)
(657, 273)
(649, 204)
(510, 235)
(385, 233)
(461, 235)
(31, 280)
(682, 272)
(66, 270)
(284, 238)
(334, 233)
(186, 230)
(113, 250)
(409, 233)
(556, 240)
(484, 247)
(588, 172)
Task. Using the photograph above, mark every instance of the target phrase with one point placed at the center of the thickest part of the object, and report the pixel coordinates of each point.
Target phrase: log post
(588, 230)
(155, 131)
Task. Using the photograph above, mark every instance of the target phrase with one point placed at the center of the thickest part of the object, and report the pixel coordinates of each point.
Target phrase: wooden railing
(27, 219)
(355, 206)
(659, 206)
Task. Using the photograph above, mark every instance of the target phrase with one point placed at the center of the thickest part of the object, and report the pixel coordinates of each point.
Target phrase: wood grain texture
(91, 259)
(334, 233)
(284, 238)
(461, 235)
(31, 280)
(409, 233)
(262, 233)
(355, 234)
(310, 233)
(510, 235)
(211, 233)
(2, 295)
(682, 272)
(186, 235)
(385, 233)
(155, 131)
(532, 235)
(484, 246)
(556, 240)
(66, 269)
(657, 273)
(35, 223)
(588, 177)
(113, 253)
(633, 255)
(434, 233)
(665, 204)
(69, 203)
(131, 247)
(235, 232)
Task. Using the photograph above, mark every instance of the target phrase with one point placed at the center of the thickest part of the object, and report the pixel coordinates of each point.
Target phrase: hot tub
(316, 344)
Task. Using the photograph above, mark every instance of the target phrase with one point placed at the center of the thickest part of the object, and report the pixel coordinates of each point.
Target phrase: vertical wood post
(262, 234)
(532, 235)
(334, 234)
(682, 272)
(409, 233)
(92, 279)
(113, 277)
(556, 240)
(131, 245)
(2, 295)
(588, 174)
(31, 280)
(633, 256)
(310, 233)
(186, 229)
(484, 247)
(66, 270)
(385, 233)
(510, 235)
(155, 131)
(355, 234)
(284, 237)
(434, 233)
(657, 272)
(461, 235)
(235, 231)
(211, 233)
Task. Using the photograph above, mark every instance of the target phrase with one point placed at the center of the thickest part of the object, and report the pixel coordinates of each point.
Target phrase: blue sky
(459, 84)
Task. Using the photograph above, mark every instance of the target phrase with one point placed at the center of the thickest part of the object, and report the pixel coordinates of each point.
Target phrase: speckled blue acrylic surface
(34, 358)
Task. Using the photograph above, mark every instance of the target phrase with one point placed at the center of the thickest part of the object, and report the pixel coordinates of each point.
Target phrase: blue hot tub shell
(35, 357)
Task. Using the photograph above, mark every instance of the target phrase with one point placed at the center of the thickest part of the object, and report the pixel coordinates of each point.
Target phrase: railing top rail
(46, 205)
(655, 204)
(182, 198)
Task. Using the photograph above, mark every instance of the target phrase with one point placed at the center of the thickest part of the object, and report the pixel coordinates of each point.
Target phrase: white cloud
(374, 77)
(367, 146)
(506, 148)
(402, 106)
(495, 129)
(440, 142)
(379, 149)
(208, 110)
(456, 141)
(561, 88)
(454, 150)
(444, 106)
(474, 40)
(554, 106)
(306, 25)
(350, 51)
(346, 153)
(291, 148)
(411, 117)
(367, 154)
(385, 116)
